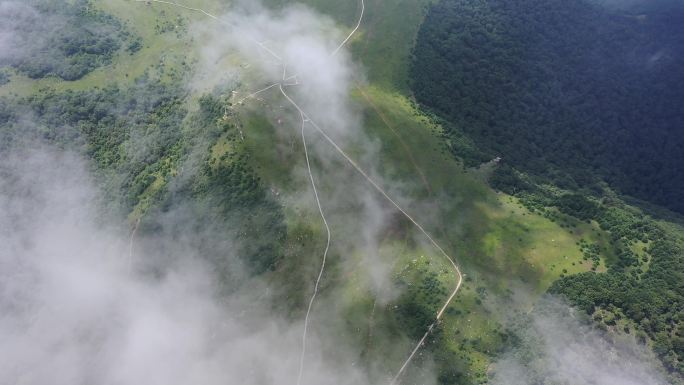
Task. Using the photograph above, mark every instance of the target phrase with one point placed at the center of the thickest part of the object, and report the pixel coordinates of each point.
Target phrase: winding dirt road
(305, 118)
(325, 255)
(455, 267)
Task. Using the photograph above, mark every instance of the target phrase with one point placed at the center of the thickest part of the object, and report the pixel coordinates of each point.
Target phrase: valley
(284, 144)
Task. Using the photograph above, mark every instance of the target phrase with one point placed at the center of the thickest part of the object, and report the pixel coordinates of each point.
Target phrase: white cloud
(559, 349)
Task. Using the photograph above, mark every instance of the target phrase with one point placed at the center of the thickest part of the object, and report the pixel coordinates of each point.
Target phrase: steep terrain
(586, 97)
(569, 90)
(182, 147)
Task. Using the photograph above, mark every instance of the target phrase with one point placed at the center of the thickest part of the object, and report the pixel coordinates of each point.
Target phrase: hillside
(586, 98)
(269, 206)
(569, 90)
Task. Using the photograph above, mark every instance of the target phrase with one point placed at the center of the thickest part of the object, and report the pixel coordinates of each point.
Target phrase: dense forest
(59, 38)
(567, 90)
(572, 95)
(651, 296)
(153, 157)
(642, 291)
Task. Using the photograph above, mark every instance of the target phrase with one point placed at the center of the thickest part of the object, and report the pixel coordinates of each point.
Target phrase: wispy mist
(294, 46)
(15, 16)
(73, 313)
(56, 38)
(557, 347)
(84, 301)
(294, 43)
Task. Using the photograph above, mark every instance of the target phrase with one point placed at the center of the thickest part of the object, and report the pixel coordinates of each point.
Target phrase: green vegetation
(60, 38)
(503, 241)
(232, 195)
(567, 90)
(138, 138)
(653, 300)
(571, 94)
(385, 39)
(643, 282)
(578, 206)
(423, 294)
(166, 57)
(107, 125)
(231, 173)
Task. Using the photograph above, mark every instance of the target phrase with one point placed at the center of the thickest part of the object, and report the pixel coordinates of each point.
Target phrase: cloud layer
(73, 313)
(557, 348)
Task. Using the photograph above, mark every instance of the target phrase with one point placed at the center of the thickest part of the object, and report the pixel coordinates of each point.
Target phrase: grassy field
(502, 246)
(167, 48)
(505, 250)
(385, 41)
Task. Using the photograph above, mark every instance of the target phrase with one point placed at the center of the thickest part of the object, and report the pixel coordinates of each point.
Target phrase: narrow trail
(351, 34)
(318, 202)
(325, 255)
(344, 42)
(306, 118)
(455, 267)
(180, 6)
(255, 93)
(408, 152)
(200, 10)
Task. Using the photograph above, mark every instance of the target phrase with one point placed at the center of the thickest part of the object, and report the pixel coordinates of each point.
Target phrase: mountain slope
(569, 90)
(183, 154)
(575, 95)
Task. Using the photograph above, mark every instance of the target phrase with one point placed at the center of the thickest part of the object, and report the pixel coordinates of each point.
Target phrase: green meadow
(504, 250)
